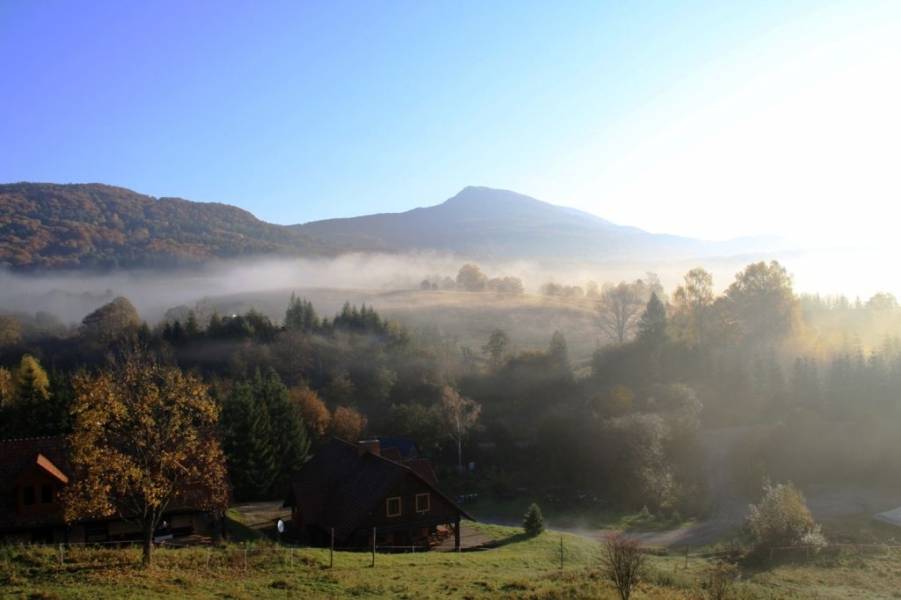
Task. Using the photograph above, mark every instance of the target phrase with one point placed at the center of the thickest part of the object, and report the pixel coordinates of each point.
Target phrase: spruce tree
(290, 442)
(247, 441)
(652, 325)
(533, 521)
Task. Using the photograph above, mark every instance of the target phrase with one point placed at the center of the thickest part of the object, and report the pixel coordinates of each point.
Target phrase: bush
(782, 518)
(719, 581)
(533, 521)
(623, 563)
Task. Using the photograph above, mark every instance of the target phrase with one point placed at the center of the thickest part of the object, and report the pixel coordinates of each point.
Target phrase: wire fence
(207, 554)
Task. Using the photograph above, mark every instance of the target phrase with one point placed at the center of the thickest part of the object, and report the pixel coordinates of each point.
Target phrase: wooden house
(348, 489)
(33, 474)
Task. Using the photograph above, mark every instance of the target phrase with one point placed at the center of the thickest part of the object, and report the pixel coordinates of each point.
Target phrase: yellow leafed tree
(144, 441)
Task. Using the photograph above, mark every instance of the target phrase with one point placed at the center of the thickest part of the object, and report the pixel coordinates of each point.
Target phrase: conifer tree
(533, 520)
(247, 441)
(652, 325)
(32, 383)
(290, 442)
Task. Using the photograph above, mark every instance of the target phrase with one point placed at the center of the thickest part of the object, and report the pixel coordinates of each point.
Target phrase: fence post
(331, 552)
(61, 556)
(561, 552)
(373, 547)
(209, 552)
(245, 556)
(687, 548)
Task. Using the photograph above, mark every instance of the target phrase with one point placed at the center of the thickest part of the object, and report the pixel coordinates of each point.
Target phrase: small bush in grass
(533, 521)
(719, 581)
(623, 563)
(782, 518)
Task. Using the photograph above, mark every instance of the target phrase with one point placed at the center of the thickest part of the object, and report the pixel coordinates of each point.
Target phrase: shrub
(623, 563)
(782, 518)
(719, 581)
(533, 521)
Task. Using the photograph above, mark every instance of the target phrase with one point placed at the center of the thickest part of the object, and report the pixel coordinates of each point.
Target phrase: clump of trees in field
(470, 278)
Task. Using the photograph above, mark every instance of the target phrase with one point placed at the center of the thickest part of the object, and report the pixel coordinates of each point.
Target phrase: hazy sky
(710, 119)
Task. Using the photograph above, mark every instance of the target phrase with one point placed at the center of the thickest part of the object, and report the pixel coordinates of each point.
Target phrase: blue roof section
(406, 447)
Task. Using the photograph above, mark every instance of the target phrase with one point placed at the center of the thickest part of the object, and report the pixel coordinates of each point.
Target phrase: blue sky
(710, 119)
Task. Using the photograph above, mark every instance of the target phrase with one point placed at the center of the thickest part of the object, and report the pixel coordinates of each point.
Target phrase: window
(46, 493)
(28, 496)
(423, 502)
(393, 506)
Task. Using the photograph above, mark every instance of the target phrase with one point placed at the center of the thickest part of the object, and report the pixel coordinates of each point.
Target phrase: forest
(814, 381)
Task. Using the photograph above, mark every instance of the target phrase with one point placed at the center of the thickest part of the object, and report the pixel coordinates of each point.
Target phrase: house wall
(31, 502)
(410, 526)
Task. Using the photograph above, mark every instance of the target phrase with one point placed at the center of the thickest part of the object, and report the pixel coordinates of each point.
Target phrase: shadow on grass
(237, 530)
(510, 539)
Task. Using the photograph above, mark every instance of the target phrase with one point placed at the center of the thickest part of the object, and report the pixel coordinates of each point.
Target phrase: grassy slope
(519, 568)
(511, 511)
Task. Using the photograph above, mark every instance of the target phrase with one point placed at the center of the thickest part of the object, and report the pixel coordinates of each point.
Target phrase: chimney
(371, 446)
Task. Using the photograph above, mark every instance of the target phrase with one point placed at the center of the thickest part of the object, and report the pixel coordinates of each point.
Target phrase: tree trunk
(460, 454)
(147, 558)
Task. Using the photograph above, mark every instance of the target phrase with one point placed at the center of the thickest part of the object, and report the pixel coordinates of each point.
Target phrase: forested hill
(50, 226)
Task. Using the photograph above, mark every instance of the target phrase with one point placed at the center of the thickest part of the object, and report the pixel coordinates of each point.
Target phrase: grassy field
(510, 512)
(519, 567)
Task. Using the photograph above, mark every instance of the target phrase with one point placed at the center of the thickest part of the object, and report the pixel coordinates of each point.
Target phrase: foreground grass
(519, 567)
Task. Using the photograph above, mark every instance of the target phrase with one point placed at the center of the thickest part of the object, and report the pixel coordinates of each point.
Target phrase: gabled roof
(47, 465)
(340, 486)
(16, 457)
(49, 453)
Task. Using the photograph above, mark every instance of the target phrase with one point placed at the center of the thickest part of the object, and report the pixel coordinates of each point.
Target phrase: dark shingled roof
(340, 486)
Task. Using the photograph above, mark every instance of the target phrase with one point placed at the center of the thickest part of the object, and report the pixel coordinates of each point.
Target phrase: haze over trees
(624, 425)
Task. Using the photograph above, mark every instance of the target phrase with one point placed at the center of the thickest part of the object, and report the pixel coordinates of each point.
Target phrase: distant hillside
(50, 226)
(489, 223)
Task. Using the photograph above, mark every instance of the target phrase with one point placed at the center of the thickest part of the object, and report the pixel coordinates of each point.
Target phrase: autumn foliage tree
(144, 441)
(315, 413)
(348, 423)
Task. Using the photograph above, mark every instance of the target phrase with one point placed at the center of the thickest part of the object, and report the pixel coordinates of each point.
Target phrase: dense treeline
(627, 431)
(48, 226)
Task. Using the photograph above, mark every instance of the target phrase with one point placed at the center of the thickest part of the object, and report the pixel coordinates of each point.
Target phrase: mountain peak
(476, 194)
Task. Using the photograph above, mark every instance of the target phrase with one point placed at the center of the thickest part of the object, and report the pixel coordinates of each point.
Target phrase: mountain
(51, 226)
(483, 222)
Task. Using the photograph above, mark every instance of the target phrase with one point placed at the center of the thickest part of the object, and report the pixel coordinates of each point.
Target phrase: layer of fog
(70, 296)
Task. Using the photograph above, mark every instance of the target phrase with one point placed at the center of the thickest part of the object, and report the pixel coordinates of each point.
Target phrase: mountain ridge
(48, 226)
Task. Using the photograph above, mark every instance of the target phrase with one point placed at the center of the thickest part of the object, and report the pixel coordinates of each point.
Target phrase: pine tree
(300, 316)
(32, 383)
(533, 520)
(247, 441)
(290, 442)
(192, 327)
(558, 352)
(652, 325)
